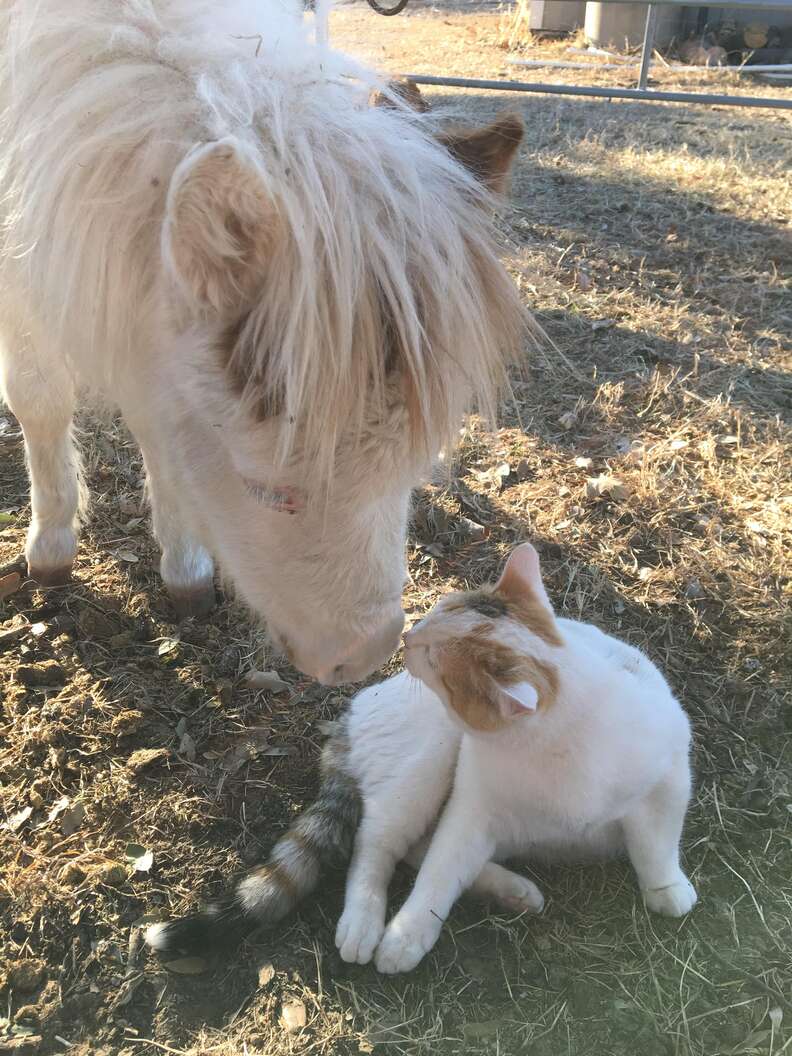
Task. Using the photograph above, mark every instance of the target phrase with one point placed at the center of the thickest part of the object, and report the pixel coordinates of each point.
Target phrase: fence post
(648, 45)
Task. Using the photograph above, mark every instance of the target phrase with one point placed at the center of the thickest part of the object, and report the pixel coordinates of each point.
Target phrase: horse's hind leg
(40, 391)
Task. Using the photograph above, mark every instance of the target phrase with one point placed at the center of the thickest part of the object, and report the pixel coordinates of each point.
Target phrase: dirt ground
(646, 450)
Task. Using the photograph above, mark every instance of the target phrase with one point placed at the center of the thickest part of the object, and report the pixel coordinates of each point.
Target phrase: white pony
(291, 295)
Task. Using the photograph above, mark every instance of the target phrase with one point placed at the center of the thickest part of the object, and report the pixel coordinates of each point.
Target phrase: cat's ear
(517, 700)
(522, 576)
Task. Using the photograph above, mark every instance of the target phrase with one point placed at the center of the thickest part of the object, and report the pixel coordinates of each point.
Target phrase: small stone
(146, 758)
(266, 974)
(46, 673)
(293, 1016)
(127, 722)
(26, 976)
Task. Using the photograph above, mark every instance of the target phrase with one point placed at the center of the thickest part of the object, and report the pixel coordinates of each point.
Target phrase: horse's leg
(186, 566)
(40, 391)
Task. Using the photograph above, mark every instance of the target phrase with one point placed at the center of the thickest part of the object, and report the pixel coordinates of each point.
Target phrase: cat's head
(489, 653)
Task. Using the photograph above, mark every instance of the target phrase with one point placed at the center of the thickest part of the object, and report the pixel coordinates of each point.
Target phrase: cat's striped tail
(321, 837)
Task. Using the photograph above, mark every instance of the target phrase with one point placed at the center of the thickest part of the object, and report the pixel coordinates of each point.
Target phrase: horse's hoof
(50, 577)
(192, 602)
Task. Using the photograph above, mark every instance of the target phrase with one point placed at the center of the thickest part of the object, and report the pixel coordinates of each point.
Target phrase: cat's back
(398, 728)
(613, 653)
(618, 698)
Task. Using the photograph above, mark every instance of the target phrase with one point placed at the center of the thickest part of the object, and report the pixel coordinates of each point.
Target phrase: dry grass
(654, 245)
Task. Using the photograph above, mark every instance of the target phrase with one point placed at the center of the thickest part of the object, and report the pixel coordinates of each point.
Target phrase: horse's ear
(220, 228)
(488, 152)
(400, 92)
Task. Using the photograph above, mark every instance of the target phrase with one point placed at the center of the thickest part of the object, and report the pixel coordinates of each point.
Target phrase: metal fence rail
(641, 93)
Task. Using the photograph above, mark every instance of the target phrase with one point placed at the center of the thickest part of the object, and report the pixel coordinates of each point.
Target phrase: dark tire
(392, 9)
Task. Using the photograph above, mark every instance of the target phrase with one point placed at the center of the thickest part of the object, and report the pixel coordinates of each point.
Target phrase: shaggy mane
(387, 276)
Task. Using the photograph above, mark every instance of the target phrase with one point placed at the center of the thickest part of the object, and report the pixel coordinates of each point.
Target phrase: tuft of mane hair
(414, 265)
(321, 838)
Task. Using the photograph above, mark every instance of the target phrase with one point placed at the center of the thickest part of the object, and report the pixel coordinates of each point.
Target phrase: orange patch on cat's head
(470, 652)
(478, 672)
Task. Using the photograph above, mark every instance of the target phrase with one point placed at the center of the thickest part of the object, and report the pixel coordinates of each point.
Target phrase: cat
(512, 734)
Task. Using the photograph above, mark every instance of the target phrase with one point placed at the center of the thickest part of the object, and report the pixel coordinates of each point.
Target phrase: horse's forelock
(388, 280)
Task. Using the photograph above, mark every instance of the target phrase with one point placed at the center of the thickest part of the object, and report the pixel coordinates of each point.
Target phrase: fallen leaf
(605, 486)
(9, 585)
(168, 646)
(187, 965)
(58, 808)
(583, 280)
(270, 680)
(266, 974)
(583, 463)
(476, 531)
(72, 819)
(293, 1016)
(144, 863)
(128, 556)
(37, 629)
(187, 747)
(6, 519)
(16, 821)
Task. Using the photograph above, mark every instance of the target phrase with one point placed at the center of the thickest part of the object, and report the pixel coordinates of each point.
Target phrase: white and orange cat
(512, 734)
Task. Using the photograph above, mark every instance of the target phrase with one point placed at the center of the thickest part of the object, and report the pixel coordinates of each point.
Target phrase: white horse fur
(292, 297)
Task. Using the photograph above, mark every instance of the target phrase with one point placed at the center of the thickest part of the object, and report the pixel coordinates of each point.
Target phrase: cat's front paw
(358, 933)
(406, 942)
(675, 900)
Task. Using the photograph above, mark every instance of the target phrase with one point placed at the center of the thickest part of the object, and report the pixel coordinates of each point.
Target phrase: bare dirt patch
(647, 454)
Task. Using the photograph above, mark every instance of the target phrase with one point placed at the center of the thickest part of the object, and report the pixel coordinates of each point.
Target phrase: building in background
(622, 25)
